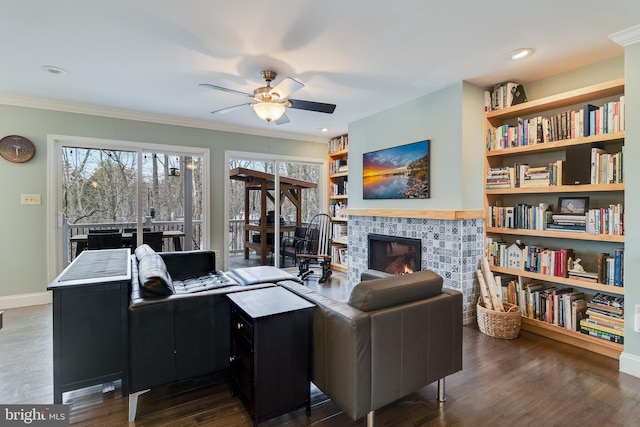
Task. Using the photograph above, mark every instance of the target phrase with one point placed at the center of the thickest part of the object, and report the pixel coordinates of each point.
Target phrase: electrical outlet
(30, 199)
(217, 252)
(636, 319)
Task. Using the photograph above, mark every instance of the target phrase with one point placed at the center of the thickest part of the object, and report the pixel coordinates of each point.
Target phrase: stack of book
(562, 222)
(339, 231)
(536, 177)
(338, 166)
(605, 318)
(583, 275)
(500, 177)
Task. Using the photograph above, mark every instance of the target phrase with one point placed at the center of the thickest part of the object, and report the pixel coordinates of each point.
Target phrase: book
(601, 334)
(567, 300)
(595, 164)
(618, 274)
(588, 108)
(578, 310)
(592, 325)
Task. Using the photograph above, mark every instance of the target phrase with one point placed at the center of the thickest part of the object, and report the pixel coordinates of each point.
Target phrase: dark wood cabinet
(90, 321)
(270, 351)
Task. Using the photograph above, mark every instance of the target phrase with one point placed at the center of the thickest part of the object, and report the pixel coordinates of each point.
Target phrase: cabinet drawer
(241, 327)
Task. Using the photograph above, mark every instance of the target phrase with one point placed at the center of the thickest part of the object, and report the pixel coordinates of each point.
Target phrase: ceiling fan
(270, 103)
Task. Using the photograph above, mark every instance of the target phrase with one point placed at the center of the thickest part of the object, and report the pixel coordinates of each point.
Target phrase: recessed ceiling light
(323, 130)
(520, 53)
(55, 70)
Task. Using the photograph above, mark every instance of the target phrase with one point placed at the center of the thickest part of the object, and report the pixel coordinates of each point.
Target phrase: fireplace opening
(393, 254)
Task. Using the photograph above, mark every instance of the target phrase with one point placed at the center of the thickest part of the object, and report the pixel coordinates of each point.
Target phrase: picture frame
(573, 205)
(400, 172)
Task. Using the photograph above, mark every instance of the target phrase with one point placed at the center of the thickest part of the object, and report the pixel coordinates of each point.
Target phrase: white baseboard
(25, 300)
(630, 364)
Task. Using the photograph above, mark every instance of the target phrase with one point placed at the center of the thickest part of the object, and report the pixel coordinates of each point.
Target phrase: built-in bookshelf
(554, 190)
(338, 199)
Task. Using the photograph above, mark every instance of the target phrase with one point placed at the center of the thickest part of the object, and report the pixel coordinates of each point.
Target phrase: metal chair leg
(441, 397)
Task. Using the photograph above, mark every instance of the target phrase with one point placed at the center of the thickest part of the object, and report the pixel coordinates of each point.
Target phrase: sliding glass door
(148, 194)
(267, 201)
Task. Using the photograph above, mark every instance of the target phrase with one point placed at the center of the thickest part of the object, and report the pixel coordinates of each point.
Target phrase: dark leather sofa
(395, 335)
(179, 317)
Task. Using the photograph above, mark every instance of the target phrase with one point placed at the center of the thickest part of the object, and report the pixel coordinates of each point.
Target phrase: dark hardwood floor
(529, 381)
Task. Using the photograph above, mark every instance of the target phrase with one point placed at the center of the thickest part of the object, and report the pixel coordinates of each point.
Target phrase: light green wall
(24, 248)
(632, 201)
(597, 73)
(454, 147)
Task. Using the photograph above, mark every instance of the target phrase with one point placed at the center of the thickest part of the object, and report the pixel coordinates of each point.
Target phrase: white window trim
(54, 173)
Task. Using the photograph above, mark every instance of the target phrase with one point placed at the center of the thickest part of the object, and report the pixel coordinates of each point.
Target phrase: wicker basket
(505, 325)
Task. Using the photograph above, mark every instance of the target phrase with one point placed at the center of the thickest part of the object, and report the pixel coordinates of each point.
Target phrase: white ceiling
(148, 56)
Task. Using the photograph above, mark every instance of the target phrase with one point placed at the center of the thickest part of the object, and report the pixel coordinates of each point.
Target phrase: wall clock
(17, 149)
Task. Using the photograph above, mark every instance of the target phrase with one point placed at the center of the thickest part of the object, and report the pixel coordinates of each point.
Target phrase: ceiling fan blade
(224, 89)
(229, 109)
(312, 106)
(286, 87)
(282, 120)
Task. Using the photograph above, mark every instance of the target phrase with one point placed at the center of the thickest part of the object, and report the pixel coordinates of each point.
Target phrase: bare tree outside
(236, 202)
(100, 187)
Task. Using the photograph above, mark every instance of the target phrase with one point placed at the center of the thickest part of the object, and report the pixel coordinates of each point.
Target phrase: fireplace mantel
(418, 213)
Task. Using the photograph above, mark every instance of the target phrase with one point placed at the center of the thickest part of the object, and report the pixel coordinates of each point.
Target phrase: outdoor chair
(290, 245)
(104, 241)
(151, 238)
(315, 248)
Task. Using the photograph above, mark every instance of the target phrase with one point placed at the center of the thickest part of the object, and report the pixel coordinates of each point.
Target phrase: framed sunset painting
(397, 173)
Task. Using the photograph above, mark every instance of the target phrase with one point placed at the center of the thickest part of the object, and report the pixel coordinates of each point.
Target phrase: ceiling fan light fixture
(269, 111)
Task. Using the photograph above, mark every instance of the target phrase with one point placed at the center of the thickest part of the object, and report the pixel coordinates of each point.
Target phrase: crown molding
(70, 107)
(627, 37)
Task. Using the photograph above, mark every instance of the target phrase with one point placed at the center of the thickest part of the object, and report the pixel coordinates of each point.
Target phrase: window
(133, 189)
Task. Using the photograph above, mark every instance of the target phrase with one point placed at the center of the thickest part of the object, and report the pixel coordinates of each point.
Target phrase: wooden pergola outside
(263, 182)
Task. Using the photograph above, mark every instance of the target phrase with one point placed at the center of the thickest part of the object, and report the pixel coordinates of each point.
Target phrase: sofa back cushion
(391, 291)
(155, 281)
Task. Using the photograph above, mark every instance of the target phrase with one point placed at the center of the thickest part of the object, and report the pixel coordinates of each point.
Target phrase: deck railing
(70, 230)
(236, 233)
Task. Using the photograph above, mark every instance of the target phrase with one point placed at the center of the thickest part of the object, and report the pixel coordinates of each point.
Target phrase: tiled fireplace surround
(452, 248)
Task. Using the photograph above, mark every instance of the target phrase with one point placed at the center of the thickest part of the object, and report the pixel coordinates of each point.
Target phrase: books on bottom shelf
(563, 307)
(603, 323)
(339, 255)
(602, 316)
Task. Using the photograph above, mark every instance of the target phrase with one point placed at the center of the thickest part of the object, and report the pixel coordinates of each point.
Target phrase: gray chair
(394, 336)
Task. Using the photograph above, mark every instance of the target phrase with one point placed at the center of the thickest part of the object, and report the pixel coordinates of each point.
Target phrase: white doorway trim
(277, 158)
